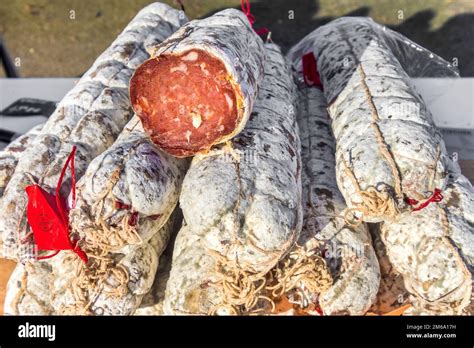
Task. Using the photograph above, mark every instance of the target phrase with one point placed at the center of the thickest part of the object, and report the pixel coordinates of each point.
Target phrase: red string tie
(120, 205)
(132, 221)
(47, 215)
(245, 6)
(318, 309)
(436, 197)
(155, 217)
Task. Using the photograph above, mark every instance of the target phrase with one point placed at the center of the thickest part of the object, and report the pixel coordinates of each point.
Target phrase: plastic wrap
(416, 60)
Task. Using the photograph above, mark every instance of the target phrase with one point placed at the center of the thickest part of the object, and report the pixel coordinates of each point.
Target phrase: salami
(333, 266)
(436, 262)
(389, 151)
(11, 154)
(392, 295)
(199, 87)
(123, 200)
(29, 290)
(127, 193)
(193, 268)
(90, 117)
(242, 206)
(8, 160)
(152, 303)
(115, 289)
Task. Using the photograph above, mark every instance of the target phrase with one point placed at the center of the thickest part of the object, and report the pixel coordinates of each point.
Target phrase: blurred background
(61, 38)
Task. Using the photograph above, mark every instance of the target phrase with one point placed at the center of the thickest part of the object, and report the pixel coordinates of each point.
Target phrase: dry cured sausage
(199, 87)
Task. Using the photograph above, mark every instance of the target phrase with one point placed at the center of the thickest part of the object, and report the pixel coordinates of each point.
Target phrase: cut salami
(90, 117)
(10, 155)
(251, 185)
(242, 205)
(334, 266)
(199, 87)
(389, 151)
(436, 262)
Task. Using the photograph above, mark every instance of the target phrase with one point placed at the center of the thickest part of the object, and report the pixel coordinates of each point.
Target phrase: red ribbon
(48, 216)
(436, 197)
(310, 71)
(120, 205)
(245, 6)
(319, 310)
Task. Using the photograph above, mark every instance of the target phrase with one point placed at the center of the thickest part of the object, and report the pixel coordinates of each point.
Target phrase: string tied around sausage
(436, 197)
(241, 290)
(382, 202)
(301, 272)
(101, 240)
(246, 292)
(375, 202)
